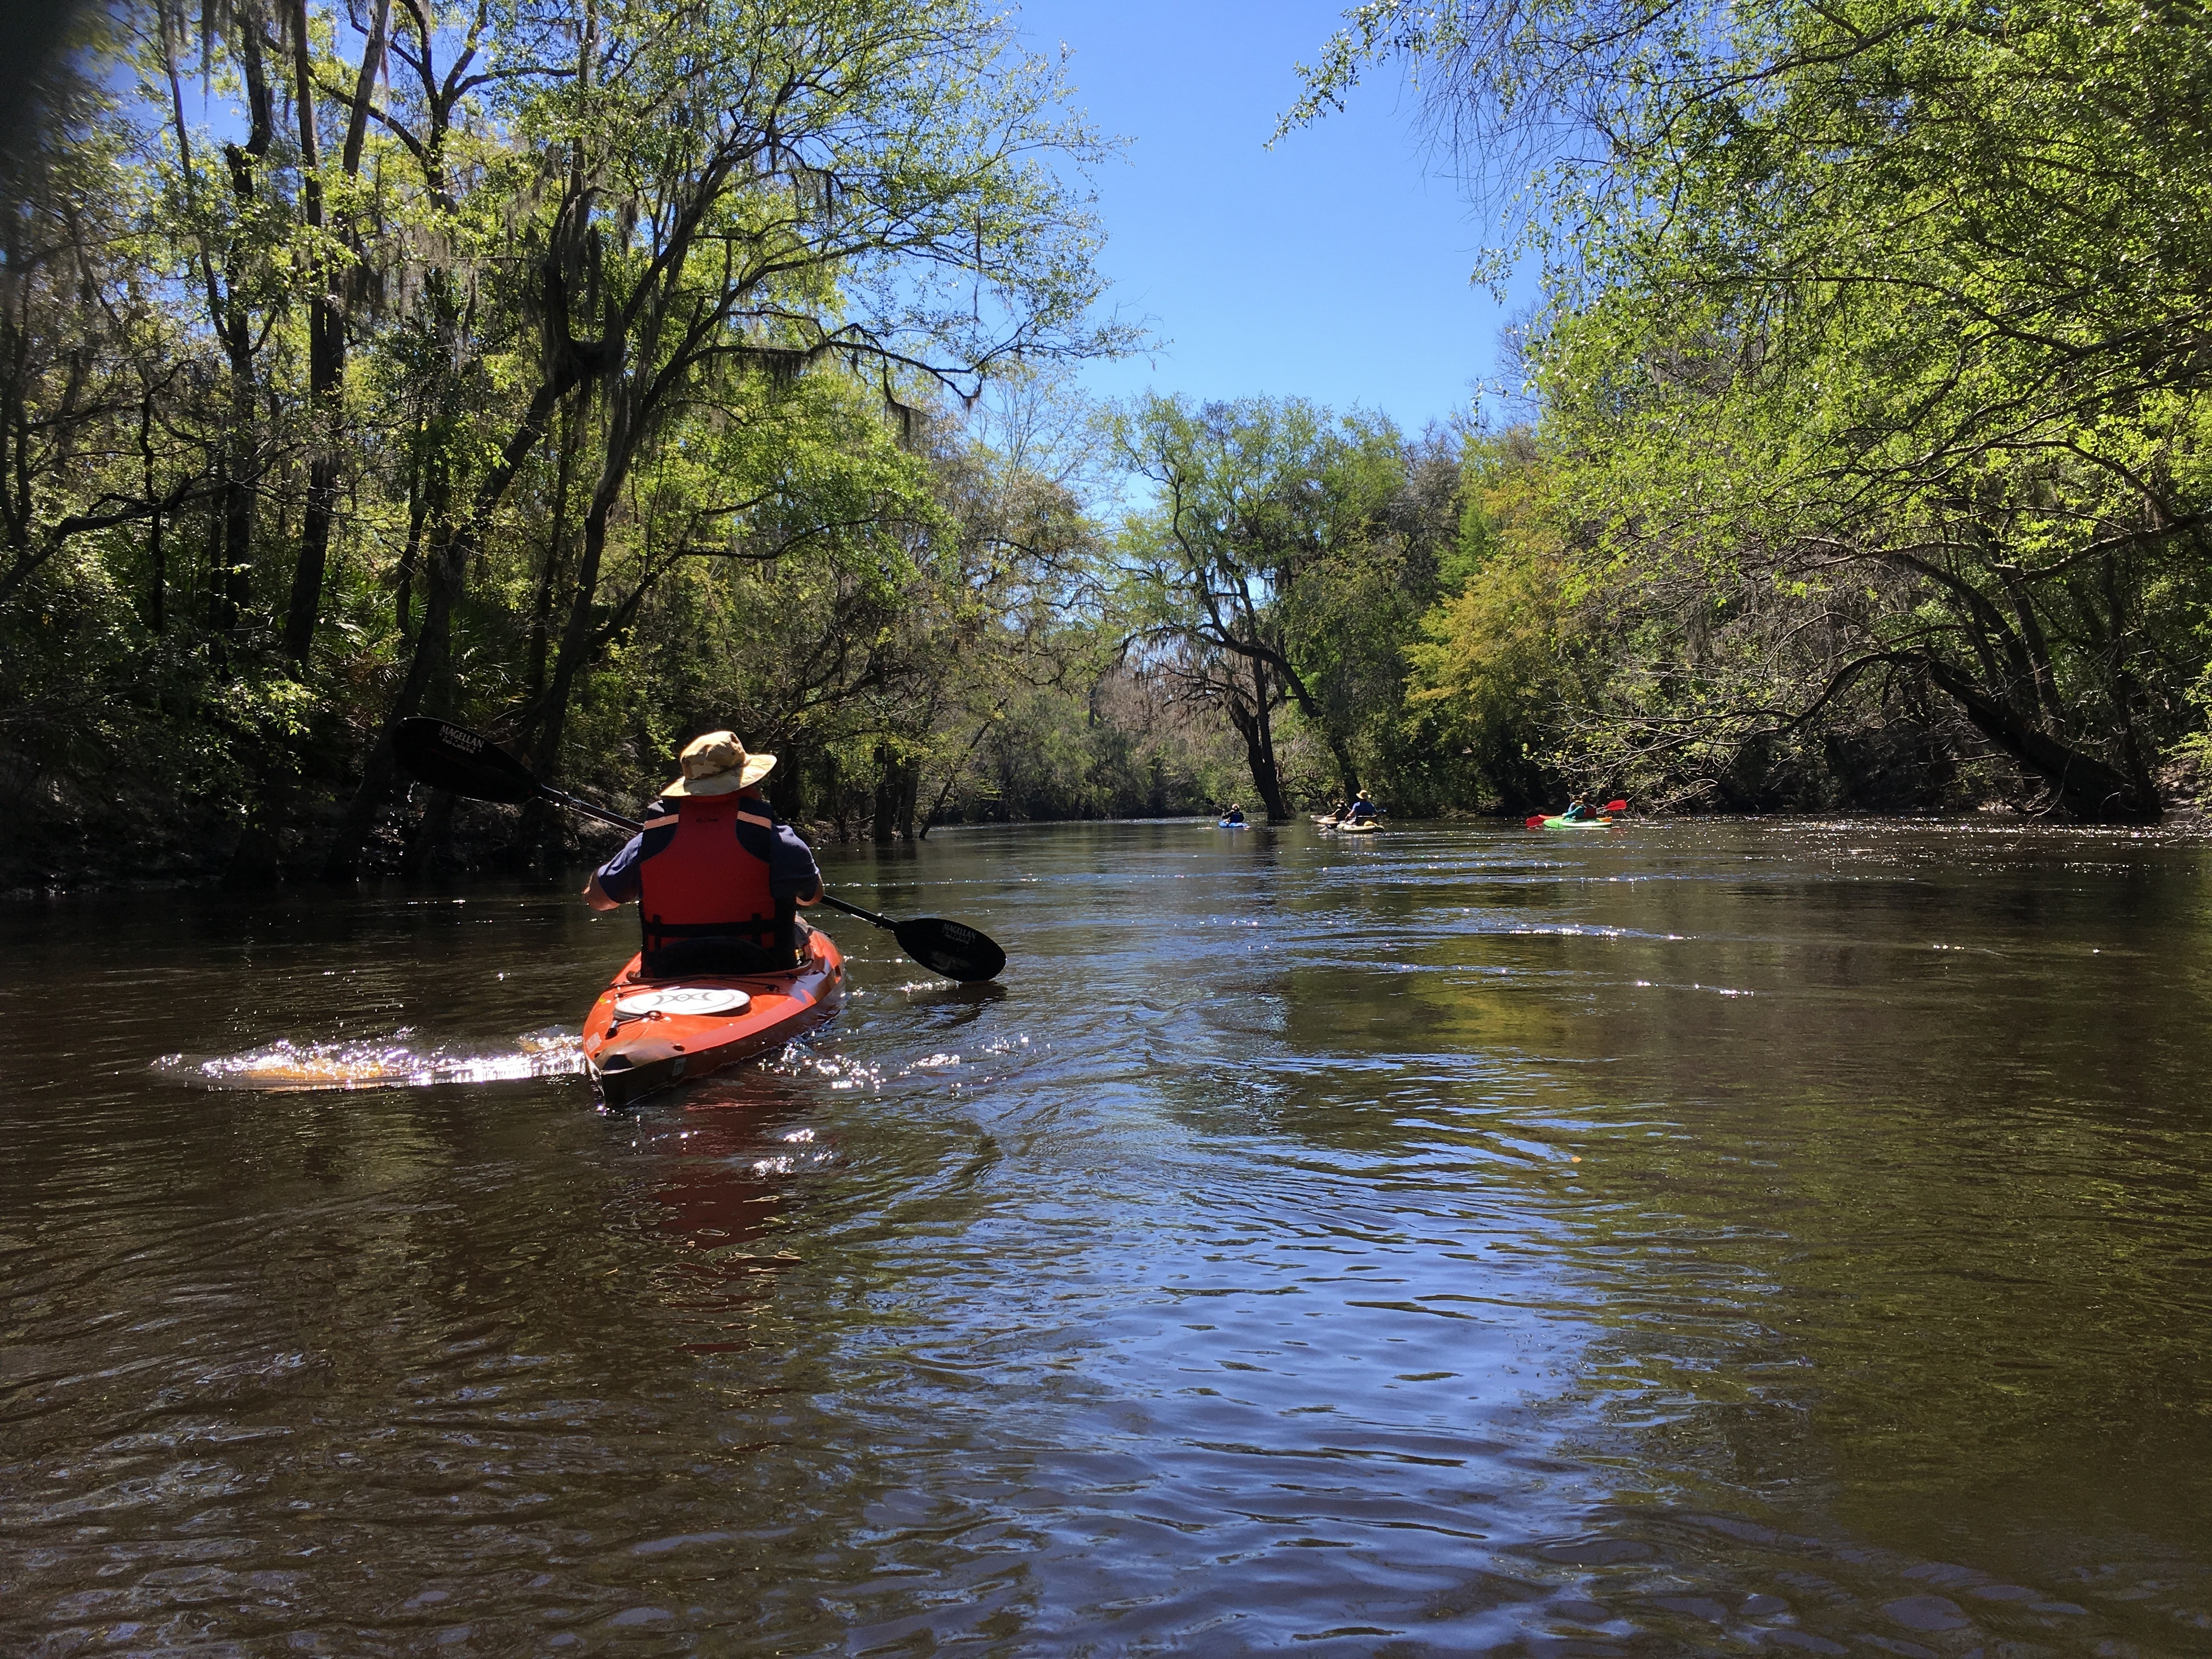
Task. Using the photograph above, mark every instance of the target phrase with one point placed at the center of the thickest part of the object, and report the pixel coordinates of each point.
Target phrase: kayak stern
(640, 1037)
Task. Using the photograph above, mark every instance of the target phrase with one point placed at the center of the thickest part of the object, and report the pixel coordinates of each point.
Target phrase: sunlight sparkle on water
(388, 1062)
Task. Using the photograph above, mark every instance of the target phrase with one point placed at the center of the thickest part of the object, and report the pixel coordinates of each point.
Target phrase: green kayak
(1575, 823)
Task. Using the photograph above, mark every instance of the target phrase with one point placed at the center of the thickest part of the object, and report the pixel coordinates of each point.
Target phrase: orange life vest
(704, 882)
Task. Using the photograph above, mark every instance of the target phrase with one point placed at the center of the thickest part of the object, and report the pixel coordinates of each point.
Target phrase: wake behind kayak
(391, 1061)
(642, 1035)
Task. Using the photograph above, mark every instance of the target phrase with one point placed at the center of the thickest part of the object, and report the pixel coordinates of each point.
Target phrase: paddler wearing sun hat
(718, 877)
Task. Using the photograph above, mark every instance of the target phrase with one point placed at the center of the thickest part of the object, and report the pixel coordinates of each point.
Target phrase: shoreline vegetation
(481, 840)
(600, 375)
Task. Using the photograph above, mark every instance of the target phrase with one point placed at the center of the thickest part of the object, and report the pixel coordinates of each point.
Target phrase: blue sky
(1335, 266)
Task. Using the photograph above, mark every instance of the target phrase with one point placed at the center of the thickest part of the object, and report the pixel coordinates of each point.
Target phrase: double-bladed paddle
(465, 763)
(1538, 822)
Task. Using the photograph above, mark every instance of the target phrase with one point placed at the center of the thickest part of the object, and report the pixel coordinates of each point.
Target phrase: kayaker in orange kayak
(717, 878)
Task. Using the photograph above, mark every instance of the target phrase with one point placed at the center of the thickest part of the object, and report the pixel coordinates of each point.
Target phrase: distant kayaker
(1578, 811)
(1234, 815)
(1361, 809)
(717, 878)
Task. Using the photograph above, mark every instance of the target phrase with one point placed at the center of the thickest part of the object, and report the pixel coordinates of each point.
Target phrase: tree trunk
(326, 321)
(1310, 706)
(793, 799)
(1262, 761)
(419, 497)
(1348, 774)
(230, 575)
(157, 559)
(576, 637)
(431, 661)
(549, 574)
(880, 820)
(578, 645)
(1266, 775)
(541, 834)
(551, 718)
(1253, 726)
(898, 788)
(2088, 788)
(231, 584)
(326, 366)
(158, 556)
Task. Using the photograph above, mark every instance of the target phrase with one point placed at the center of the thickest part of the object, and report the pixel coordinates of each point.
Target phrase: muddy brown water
(1691, 1239)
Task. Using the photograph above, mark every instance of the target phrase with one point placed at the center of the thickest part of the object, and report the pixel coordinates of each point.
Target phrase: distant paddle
(465, 763)
(1539, 821)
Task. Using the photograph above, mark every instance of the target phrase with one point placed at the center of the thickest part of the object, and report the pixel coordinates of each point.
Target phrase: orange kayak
(644, 1034)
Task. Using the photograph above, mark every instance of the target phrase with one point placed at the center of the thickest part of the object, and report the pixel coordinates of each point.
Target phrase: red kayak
(647, 1034)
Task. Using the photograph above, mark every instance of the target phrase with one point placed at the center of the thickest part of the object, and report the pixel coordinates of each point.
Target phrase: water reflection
(1704, 1238)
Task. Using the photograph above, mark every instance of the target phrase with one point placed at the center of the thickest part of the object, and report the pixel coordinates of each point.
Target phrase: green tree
(752, 188)
(1267, 526)
(1881, 327)
(1499, 664)
(583, 372)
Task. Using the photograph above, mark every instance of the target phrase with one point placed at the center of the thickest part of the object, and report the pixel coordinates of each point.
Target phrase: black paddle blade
(951, 948)
(453, 757)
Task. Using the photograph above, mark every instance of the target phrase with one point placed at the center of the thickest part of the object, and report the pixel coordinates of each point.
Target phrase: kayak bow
(645, 1035)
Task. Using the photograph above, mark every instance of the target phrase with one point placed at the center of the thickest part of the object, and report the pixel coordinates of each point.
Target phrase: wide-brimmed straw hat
(717, 764)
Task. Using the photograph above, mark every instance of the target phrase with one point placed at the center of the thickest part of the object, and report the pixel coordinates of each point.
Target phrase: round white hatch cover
(685, 999)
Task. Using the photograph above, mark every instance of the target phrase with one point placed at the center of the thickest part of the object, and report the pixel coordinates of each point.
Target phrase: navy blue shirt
(792, 873)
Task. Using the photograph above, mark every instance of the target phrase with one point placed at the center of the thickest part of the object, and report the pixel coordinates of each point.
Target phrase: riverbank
(148, 842)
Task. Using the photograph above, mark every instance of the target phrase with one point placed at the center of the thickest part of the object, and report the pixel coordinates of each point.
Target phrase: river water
(1700, 1237)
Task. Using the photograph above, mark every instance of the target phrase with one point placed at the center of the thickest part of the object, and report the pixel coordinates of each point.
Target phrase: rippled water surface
(1692, 1238)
